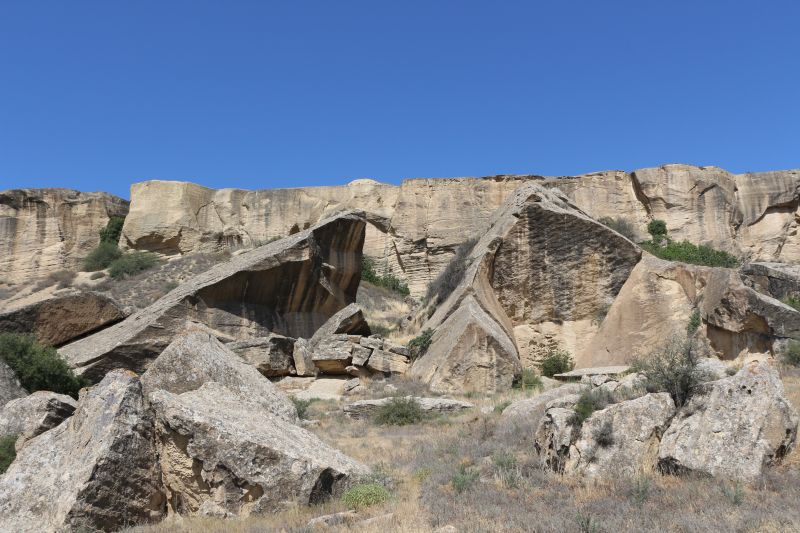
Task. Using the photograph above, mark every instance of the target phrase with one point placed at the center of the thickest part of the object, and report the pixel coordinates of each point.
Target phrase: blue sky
(98, 95)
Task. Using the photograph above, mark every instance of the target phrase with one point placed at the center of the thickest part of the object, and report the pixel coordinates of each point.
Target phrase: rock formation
(94, 471)
(290, 287)
(47, 230)
(10, 387)
(33, 415)
(542, 266)
(63, 318)
(367, 408)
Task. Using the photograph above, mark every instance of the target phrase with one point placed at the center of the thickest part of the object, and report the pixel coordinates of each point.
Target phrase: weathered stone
(217, 452)
(290, 287)
(62, 318)
(621, 439)
(47, 230)
(529, 411)
(373, 343)
(352, 385)
(272, 355)
(303, 361)
(393, 347)
(773, 279)
(33, 415)
(381, 361)
(96, 471)
(732, 427)
(349, 320)
(196, 357)
(361, 355)
(366, 408)
(554, 436)
(10, 387)
(335, 519)
(333, 354)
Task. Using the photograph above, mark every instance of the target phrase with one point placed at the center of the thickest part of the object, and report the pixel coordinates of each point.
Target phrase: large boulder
(97, 471)
(33, 415)
(271, 355)
(512, 291)
(530, 411)
(63, 318)
(290, 287)
(732, 427)
(10, 387)
(196, 357)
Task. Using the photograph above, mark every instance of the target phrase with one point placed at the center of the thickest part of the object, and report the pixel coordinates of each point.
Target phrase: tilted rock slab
(778, 280)
(47, 230)
(290, 287)
(271, 355)
(96, 471)
(541, 261)
(32, 415)
(10, 387)
(63, 318)
(733, 427)
(367, 408)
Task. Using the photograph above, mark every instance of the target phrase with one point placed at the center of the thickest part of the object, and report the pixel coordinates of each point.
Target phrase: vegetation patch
(400, 412)
(38, 367)
(446, 282)
(556, 362)
(113, 230)
(500, 407)
(673, 368)
(528, 381)
(792, 301)
(302, 406)
(365, 495)
(694, 322)
(420, 344)
(388, 281)
(101, 257)
(464, 478)
(604, 435)
(130, 264)
(7, 452)
(791, 355)
(589, 402)
(686, 252)
(622, 226)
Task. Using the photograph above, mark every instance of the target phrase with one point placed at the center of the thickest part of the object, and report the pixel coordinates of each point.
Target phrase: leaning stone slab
(381, 361)
(10, 387)
(271, 355)
(366, 408)
(32, 415)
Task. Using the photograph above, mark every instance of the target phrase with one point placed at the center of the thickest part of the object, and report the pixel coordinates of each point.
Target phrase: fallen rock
(381, 361)
(334, 519)
(366, 408)
(332, 354)
(196, 357)
(530, 410)
(361, 355)
(272, 355)
(778, 280)
(303, 358)
(732, 427)
(349, 320)
(289, 287)
(554, 436)
(96, 471)
(32, 415)
(10, 387)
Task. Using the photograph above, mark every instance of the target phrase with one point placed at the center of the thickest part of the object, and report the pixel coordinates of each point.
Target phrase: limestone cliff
(46, 230)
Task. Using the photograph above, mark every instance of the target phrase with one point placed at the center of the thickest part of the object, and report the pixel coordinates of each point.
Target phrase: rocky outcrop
(33, 415)
(62, 318)
(96, 471)
(732, 428)
(773, 279)
(10, 387)
(289, 287)
(47, 230)
(542, 265)
(272, 355)
(659, 298)
(367, 408)
(529, 411)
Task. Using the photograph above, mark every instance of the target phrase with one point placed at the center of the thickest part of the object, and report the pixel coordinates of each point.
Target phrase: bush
(556, 362)
(62, 279)
(365, 495)
(301, 406)
(687, 252)
(792, 301)
(673, 368)
(7, 452)
(500, 407)
(38, 367)
(130, 264)
(101, 257)
(463, 479)
(791, 355)
(400, 412)
(589, 402)
(694, 322)
(529, 380)
(446, 282)
(621, 225)
(113, 230)
(604, 435)
(388, 281)
(420, 344)
(657, 229)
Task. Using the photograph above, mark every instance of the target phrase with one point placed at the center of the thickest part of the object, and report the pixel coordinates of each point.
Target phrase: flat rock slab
(577, 374)
(366, 408)
(323, 389)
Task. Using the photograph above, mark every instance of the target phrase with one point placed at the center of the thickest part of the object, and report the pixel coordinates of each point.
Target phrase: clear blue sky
(98, 95)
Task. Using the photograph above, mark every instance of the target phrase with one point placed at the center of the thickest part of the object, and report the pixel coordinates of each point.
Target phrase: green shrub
(365, 495)
(302, 406)
(556, 362)
(400, 412)
(529, 380)
(446, 282)
(388, 281)
(113, 230)
(673, 368)
(657, 229)
(102, 256)
(792, 301)
(589, 402)
(420, 344)
(791, 355)
(604, 435)
(621, 225)
(734, 493)
(500, 407)
(380, 329)
(130, 264)
(640, 490)
(7, 452)
(694, 322)
(38, 367)
(463, 479)
(687, 252)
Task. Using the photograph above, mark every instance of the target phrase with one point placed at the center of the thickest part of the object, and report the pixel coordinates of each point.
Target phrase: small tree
(673, 368)
(556, 362)
(38, 367)
(419, 344)
(101, 257)
(657, 229)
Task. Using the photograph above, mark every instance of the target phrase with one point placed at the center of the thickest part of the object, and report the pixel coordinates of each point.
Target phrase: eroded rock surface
(10, 387)
(32, 415)
(367, 408)
(272, 355)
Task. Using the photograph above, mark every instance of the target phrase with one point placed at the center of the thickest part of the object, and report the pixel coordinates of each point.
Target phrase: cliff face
(46, 230)
(414, 228)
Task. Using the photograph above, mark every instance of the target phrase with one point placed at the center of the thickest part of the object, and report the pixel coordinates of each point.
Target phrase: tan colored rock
(10, 387)
(303, 358)
(529, 412)
(289, 287)
(62, 318)
(778, 280)
(47, 230)
(367, 408)
(32, 415)
(361, 355)
(96, 471)
(733, 427)
(332, 355)
(349, 320)
(381, 361)
(272, 355)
